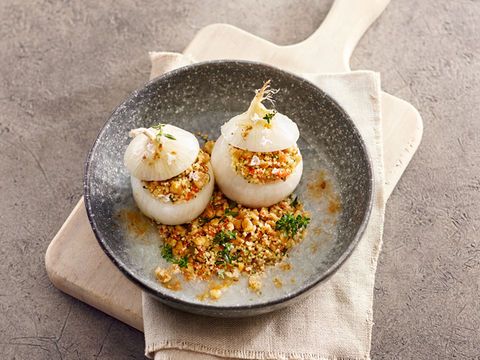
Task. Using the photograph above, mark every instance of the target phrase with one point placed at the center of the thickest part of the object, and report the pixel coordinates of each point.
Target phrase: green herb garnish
(225, 253)
(231, 213)
(291, 225)
(169, 136)
(269, 116)
(223, 238)
(160, 133)
(167, 254)
(183, 262)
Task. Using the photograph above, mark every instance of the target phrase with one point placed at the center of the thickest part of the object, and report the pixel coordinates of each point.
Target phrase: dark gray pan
(200, 98)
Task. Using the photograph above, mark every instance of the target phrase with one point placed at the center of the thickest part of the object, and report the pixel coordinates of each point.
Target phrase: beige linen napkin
(335, 322)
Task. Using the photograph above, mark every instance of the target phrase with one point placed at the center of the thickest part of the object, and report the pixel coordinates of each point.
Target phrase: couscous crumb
(229, 239)
(184, 186)
(265, 167)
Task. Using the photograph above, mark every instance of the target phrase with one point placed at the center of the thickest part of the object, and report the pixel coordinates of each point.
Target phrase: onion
(150, 157)
(251, 131)
(168, 213)
(235, 187)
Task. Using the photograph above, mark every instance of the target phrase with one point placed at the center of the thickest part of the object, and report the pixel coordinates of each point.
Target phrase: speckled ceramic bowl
(200, 98)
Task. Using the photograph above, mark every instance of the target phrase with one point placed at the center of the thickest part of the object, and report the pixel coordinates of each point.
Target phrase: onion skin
(171, 213)
(236, 188)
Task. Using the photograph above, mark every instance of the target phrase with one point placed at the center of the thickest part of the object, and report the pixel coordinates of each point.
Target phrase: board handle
(343, 27)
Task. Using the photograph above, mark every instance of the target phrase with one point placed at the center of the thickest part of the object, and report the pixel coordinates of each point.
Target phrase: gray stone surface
(65, 65)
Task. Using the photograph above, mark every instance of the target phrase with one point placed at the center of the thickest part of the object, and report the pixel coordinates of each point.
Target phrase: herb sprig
(269, 116)
(291, 225)
(160, 133)
(167, 254)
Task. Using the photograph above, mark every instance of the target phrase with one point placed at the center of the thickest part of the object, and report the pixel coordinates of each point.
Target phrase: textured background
(65, 65)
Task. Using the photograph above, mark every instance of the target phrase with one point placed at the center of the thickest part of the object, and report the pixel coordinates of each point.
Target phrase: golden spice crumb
(173, 284)
(277, 282)
(208, 147)
(163, 275)
(215, 294)
(254, 283)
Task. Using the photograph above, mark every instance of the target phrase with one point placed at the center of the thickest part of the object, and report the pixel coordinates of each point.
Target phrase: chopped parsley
(167, 254)
(223, 238)
(269, 116)
(229, 212)
(291, 225)
(160, 133)
(225, 253)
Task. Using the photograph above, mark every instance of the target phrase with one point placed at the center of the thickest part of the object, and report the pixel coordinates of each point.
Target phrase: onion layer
(235, 187)
(171, 213)
(145, 160)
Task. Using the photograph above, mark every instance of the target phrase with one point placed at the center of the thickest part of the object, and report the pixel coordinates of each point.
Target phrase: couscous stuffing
(265, 167)
(184, 186)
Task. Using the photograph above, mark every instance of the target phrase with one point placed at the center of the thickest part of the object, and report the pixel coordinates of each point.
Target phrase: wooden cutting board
(75, 262)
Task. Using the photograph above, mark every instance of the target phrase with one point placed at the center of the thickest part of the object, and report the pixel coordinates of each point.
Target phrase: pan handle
(343, 27)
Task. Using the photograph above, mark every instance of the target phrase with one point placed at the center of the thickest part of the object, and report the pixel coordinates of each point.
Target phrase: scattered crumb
(314, 247)
(254, 283)
(286, 266)
(208, 147)
(215, 294)
(173, 284)
(215, 290)
(277, 282)
(163, 275)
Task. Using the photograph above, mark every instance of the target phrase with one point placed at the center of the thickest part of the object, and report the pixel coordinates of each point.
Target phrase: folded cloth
(335, 321)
